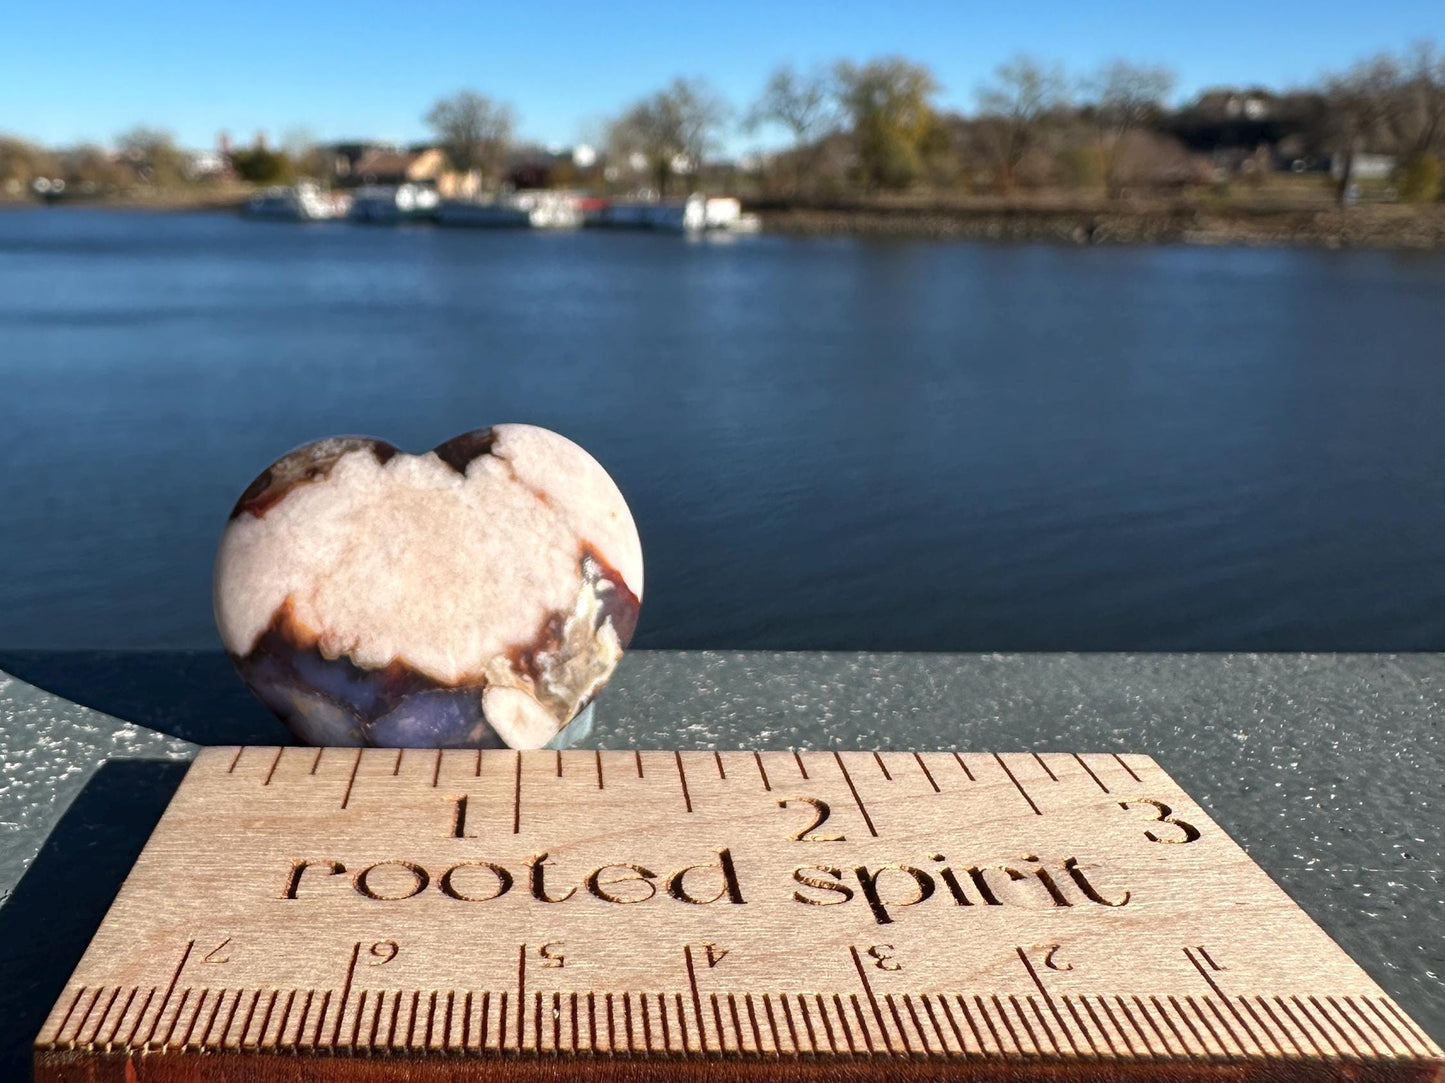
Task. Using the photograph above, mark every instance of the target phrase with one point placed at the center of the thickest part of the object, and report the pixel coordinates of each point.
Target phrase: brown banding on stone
(617, 603)
(302, 466)
(459, 451)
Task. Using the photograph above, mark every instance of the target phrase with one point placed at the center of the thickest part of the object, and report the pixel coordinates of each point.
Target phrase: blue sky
(87, 69)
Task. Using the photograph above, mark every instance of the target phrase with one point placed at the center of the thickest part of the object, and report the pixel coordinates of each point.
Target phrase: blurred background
(1108, 326)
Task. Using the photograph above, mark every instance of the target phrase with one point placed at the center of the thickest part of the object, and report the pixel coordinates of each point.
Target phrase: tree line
(878, 126)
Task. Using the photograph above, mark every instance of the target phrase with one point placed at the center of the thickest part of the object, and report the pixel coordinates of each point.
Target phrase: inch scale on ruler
(381, 914)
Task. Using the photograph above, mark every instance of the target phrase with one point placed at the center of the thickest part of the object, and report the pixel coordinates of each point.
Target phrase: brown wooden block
(337, 914)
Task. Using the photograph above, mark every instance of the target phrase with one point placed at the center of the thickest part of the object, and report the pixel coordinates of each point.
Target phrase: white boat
(394, 203)
(303, 202)
(517, 210)
(695, 214)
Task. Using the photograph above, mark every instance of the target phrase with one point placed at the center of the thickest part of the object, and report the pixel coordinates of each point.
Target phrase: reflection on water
(826, 443)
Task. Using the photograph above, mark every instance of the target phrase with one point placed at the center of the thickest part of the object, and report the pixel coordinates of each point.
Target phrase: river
(827, 443)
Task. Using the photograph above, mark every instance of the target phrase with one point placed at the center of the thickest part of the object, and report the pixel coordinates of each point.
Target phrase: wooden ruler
(381, 914)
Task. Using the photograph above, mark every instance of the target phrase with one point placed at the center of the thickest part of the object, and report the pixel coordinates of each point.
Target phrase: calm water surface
(826, 443)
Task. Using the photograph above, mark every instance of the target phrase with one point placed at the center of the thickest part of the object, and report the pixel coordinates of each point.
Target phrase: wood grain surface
(338, 914)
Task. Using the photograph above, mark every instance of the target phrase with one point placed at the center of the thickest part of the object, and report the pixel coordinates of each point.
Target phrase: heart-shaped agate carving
(478, 595)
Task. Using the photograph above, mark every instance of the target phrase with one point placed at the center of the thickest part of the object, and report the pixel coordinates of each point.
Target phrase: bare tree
(1126, 96)
(673, 130)
(888, 103)
(801, 105)
(1022, 99)
(1420, 115)
(475, 131)
(1362, 106)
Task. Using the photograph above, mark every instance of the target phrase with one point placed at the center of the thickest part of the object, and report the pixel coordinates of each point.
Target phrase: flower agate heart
(477, 595)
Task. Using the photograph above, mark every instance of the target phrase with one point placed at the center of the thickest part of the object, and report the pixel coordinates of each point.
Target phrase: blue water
(826, 443)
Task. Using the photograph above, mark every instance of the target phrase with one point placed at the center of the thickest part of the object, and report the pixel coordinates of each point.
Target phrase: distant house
(358, 164)
(1240, 127)
(1364, 167)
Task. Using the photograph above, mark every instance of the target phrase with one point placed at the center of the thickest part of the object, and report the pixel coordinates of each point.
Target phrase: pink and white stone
(477, 595)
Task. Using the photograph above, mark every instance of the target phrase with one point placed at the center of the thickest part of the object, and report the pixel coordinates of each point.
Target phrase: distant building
(1239, 128)
(1364, 167)
(358, 164)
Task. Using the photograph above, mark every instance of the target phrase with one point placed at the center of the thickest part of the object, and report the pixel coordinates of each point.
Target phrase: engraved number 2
(1164, 814)
(823, 811)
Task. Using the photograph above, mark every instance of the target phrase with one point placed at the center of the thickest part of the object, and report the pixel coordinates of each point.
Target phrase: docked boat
(695, 214)
(394, 203)
(516, 210)
(304, 202)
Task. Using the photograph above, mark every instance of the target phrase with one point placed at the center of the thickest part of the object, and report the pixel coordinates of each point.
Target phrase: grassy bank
(1100, 221)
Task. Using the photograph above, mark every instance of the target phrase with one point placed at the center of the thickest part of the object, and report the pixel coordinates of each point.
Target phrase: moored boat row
(538, 209)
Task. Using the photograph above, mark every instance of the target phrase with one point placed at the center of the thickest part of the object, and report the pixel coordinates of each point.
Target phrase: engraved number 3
(1164, 814)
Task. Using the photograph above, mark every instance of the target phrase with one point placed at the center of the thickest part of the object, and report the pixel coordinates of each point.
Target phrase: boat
(304, 202)
(394, 203)
(695, 214)
(516, 210)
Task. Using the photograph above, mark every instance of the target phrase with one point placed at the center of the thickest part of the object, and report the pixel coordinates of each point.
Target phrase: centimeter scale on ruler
(718, 913)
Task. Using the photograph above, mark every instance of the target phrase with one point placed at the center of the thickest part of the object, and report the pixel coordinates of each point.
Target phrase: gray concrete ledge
(1326, 768)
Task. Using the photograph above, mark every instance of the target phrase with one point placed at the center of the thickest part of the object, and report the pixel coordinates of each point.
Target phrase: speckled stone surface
(1327, 769)
(477, 595)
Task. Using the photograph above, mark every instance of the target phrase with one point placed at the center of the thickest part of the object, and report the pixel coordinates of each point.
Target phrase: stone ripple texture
(477, 595)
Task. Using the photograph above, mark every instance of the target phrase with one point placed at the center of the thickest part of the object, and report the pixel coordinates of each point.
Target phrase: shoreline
(1386, 226)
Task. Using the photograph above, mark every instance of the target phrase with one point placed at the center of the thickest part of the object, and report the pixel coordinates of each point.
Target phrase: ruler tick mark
(1018, 787)
(807, 1024)
(436, 771)
(1090, 770)
(721, 773)
(351, 781)
(1047, 769)
(396, 767)
(696, 996)
(272, 770)
(822, 1014)
(1049, 1001)
(119, 1019)
(558, 755)
(882, 767)
(637, 754)
(898, 1021)
(926, 772)
(799, 757)
(1126, 767)
(317, 761)
(792, 1028)
(868, 820)
(862, 1022)
(171, 988)
(753, 1022)
(346, 990)
(517, 797)
(773, 1022)
(966, 771)
(235, 760)
(868, 991)
(598, 754)
(521, 987)
(843, 1021)
(682, 775)
(757, 756)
